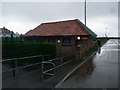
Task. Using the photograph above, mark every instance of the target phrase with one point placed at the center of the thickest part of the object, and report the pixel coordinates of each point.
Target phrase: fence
(12, 64)
(57, 62)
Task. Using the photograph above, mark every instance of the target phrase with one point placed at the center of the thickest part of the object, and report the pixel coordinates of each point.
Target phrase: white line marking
(117, 42)
(111, 50)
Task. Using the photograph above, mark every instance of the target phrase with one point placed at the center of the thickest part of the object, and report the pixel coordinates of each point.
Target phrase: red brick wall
(86, 45)
(65, 50)
(73, 49)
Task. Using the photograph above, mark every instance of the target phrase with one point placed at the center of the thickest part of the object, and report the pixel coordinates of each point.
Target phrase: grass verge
(92, 50)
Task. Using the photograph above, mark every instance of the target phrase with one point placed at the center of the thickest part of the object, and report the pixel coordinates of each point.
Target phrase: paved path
(0, 75)
(33, 79)
(101, 71)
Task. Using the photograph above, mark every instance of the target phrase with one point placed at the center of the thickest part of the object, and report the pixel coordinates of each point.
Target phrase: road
(101, 71)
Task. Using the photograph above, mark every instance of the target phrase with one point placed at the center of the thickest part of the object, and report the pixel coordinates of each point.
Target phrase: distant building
(72, 36)
(4, 32)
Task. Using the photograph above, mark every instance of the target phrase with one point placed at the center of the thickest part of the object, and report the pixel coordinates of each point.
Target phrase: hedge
(18, 49)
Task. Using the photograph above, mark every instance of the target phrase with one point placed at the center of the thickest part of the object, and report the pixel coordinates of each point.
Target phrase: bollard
(61, 62)
(15, 68)
(42, 67)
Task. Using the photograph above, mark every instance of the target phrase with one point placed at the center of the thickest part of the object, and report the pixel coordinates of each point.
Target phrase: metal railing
(15, 65)
(46, 71)
(62, 62)
(57, 62)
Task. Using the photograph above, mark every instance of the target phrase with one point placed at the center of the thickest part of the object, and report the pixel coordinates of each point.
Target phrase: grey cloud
(45, 11)
(96, 9)
(54, 10)
(38, 12)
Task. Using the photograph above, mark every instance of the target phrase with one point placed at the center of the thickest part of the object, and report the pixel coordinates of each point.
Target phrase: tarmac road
(101, 71)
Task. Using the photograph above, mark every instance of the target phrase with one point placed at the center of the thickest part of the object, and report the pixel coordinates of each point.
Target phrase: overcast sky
(23, 16)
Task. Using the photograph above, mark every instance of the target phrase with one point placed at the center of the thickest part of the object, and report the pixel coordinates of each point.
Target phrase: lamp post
(85, 12)
(106, 31)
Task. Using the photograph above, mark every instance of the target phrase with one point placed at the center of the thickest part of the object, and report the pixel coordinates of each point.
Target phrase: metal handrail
(54, 66)
(25, 57)
(43, 62)
(46, 72)
(22, 67)
(16, 59)
(59, 58)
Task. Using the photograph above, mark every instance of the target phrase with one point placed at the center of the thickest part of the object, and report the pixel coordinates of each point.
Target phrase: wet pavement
(33, 79)
(101, 71)
(0, 75)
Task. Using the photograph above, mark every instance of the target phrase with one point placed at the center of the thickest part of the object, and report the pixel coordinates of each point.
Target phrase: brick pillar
(77, 54)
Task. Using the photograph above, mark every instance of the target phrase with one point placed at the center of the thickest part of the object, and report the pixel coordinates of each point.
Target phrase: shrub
(17, 49)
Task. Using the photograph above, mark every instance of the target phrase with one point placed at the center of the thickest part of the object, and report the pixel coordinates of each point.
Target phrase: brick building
(72, 37)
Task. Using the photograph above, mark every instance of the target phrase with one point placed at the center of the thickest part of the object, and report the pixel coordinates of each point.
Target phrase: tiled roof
(87, 29)
(5, 31)
(61, 28)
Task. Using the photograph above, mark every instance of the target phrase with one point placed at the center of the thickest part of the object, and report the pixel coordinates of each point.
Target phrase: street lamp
(78, 38)
(78, 41)
(58, 41)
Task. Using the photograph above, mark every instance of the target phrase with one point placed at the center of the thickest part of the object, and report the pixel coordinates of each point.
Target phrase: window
(66, 41)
